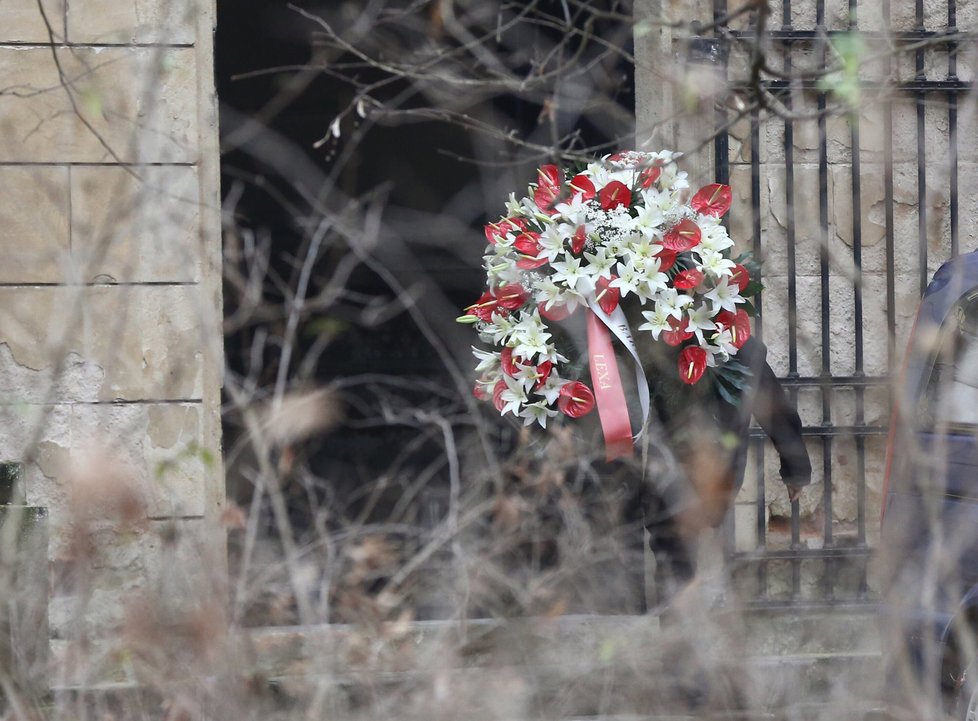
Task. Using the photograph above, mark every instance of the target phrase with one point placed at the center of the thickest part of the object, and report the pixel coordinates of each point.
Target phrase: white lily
(699, 320)
(513, 396)
(657, 321)
(488, 360)
(724, 297)
(536, 412)
(673, 302)
(713, 263)
(600, 263)
(568, 271)
(550, 390)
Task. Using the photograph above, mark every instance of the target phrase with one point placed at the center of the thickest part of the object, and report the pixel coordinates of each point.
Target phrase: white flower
(550, 390)
(568, 271)
(573, 211)
(629, 279)
(513, 206)
(672, 302)
(513, 396)
(658, 321)
(529, 336)
(552, 242)
(600, 263)
(641, 249)
(713, 235)
(700, 319)
(538, 412)
(724, 341)
(714, 264)
(724, 297)
(488, 360)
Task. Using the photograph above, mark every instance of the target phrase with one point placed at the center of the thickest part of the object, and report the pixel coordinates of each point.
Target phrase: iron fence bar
(952, 125)
(909, 86)
(920, 99)
(806, 553)
(789, 200)
(838, 381)
(904, 37)
(888, 209)
(832, 431)
(760, 499)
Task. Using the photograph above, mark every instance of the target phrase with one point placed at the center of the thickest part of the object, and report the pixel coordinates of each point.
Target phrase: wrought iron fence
(821, 557)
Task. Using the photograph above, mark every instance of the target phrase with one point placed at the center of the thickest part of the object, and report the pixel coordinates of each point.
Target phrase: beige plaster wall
(110, 305)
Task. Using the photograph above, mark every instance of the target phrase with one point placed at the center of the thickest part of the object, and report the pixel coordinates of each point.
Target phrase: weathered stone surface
(133, 21)
(129, 104)
(145, 339)
(135, 229)
(33, 224)
(22, 21)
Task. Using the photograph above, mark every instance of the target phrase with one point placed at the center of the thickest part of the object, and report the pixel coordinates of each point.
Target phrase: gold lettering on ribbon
(601, 368)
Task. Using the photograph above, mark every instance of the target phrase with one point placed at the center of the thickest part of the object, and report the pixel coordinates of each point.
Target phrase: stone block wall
(110, 288)
(675, 108)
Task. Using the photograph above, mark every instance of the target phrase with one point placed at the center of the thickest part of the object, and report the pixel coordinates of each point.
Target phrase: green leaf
(749, 308)
(752, 289)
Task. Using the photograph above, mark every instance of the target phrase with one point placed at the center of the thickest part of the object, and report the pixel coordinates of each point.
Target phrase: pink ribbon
(608, 391)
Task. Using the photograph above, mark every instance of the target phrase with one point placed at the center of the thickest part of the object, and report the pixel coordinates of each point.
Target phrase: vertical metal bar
(789, 201)
(952, 124)
(755, 194)
(825, 374)
(921, 158)
(888, 211)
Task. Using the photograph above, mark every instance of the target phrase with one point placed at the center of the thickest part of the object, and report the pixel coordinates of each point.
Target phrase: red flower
(712, 200)
(549, 178)
(511, 297)
(496, 231)
(738, 324)
(575, 399)
(741, 277)
(556, 312)
(528, 246)
(479, 391)
(484, 307)
(508, 361)
(667, 258)
(683, 236)
(582, 185)
(497, 395)
(607, 295)
(578, 240)
(543, 373)
(687, 279)
(692, 364)
(648, 176)
(614, 194)
(678, 334)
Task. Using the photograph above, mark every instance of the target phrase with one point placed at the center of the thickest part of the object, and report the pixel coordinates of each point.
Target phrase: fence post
(23, 585)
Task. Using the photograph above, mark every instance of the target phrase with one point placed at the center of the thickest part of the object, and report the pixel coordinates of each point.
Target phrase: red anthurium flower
(479, 391)
(607, 295)
(712, 200)
(497, 395)
(667, 258)
(575, 399)
(543, 373)
(677, 333)
(578, 240)
(582, 185)
(686, 279)
(549, 178)
(616, 157)
(484, 307)
(555, 313)
(738, 323)
(511, 297)
(614, 194)
(741, 277)
(692, 364)
(496, 231)
(528, 246)
(685, 235)
(648, 176)
(508, 361)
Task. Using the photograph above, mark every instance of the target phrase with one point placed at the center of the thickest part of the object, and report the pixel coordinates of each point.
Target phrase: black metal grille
(817, 559)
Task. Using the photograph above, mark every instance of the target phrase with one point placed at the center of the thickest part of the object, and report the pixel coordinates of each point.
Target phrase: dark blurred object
(929, 546)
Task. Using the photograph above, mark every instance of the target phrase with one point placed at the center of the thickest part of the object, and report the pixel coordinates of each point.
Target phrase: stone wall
(675, 108)
(110, 294)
